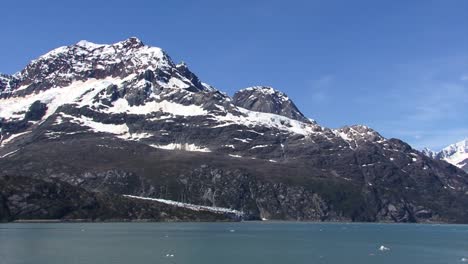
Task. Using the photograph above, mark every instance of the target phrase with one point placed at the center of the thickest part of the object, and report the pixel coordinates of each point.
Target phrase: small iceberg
(169, 255)
(232, 230)
(384, 248)
(464, 259)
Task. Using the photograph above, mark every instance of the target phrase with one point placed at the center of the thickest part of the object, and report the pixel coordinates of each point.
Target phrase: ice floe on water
(384, 248)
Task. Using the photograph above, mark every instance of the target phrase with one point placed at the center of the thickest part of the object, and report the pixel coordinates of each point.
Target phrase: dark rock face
(184, 71)
(465, 166)
(267, 100)
(289, 190)
(137, 124)
(256, 198)
(36, 111)
(25, 198)
(7, 83)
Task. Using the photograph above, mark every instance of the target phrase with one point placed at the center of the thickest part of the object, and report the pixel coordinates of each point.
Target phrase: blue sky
(400, 67)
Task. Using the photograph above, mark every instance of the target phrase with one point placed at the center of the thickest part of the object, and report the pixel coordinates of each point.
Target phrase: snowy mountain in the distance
(456, 154)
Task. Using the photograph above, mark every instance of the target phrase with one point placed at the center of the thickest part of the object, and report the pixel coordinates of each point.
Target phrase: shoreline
(90, 221)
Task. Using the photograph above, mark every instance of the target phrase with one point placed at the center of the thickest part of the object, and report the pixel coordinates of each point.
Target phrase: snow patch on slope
(3, 142)
(122, 106)
(9, 154)
(179, 146)
(253, 118)
(78, 92)
(193, 207)
(98, 127)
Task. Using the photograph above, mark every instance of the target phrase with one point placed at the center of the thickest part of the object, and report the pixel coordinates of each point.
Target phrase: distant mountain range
(456, 154)
(120, 131)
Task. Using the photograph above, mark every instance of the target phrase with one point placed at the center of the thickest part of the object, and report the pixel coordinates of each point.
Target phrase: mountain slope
(123, 119)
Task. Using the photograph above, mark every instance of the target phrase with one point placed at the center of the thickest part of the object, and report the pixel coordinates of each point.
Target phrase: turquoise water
(247, 242)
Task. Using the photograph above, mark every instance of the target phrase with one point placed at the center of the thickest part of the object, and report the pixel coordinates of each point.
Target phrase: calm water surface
(250, 242)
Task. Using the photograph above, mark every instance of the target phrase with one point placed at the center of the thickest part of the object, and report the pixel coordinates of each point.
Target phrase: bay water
(229, 243)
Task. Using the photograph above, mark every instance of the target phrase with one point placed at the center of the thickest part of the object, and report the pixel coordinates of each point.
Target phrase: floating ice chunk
(464, 259)
(384, 248)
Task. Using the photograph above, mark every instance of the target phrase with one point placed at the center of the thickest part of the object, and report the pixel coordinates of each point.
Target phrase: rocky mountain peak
(87, 44)
(132, 42)
(86, 60)
(429, 152)
(268, 100)
(359, 133)
(127, 44)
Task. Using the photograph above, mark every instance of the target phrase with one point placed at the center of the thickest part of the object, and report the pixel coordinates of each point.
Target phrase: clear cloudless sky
(400, 67)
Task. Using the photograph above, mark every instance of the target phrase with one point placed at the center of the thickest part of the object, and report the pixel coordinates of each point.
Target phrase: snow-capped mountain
(456, 154)
(85, 60)
(125, 119)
